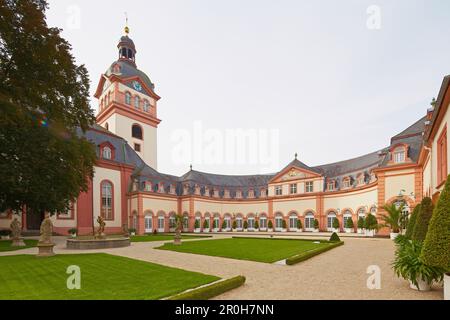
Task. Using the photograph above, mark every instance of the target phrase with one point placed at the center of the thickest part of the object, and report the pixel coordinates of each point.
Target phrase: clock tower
(127, 103)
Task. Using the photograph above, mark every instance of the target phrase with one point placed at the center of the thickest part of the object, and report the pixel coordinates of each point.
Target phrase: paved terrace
(337, 274)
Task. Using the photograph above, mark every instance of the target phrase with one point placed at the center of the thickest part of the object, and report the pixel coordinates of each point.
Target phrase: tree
(412, 222)
(423, 220)
(361, 223)
(371, 222)
(349, 224)
(299, 224)
(45, 162)
(436, 249)
(393, 217)
(336, 224)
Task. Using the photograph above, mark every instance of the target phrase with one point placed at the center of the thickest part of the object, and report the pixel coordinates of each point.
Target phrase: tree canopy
(45, 162)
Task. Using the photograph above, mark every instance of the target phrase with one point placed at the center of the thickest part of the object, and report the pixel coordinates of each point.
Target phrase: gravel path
(337, 274)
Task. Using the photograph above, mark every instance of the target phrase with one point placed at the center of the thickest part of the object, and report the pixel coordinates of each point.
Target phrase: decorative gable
(294, 173)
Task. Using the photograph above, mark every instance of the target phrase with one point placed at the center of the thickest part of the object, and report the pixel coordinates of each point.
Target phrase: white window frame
(148, 221)
(293, 188)
(309, 187)
(263, 223)
(330, 219)
(107, 153)
(161, 224)
(278, 190)
(400, 155)
(309, 221)
(293, 220)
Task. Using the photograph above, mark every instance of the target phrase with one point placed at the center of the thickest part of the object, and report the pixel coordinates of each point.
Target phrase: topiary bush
(316, 224)
(336, 224)
(270, 224)
(349, 224)
(299, 224)
(335, 238)
(224, 225)
(197, 224)
(371, 222)
(361, 223)
(423, 220)
(284, 224)
(257, 225)
(245, 225)
(206, 224)
(235, 224)
(436, 249)
(412, 222)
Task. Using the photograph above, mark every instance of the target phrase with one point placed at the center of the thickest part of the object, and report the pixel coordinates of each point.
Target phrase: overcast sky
(335, 81)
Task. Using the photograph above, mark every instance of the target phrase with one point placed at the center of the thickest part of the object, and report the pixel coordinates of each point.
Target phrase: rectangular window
(331, 186)
(263, 223)
(293, 188)
(137, 147)
(442, 157)
(279, 190)
(309, 187)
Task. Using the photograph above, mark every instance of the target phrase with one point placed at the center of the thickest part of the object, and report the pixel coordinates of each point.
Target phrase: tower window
(137, 102)
(146, 106)
(136, 132)
(128, 98)
(137, 147)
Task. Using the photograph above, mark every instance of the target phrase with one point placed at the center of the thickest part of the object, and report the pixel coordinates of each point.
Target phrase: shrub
(206, 224)
(336, 224)
(312, 253)
(299, 224)
(212, 290)
(361, 223)
(436, 250)
(412, 222)
(392, 219)
(409, 266)
(131, 230)
(73, 231)
(234, 224)
(245, 225)
(423, 220)
(197, 224)
(257, 225)
(284, 224)
(316, 224)
(371, 222)
(5, 233)
(224, 225)
(335, 238)
(349, 224)
(270, 224)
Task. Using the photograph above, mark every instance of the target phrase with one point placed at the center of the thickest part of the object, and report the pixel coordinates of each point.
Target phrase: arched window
(251, 223)
(136, 132)
(148, 222)
(309, 221)
(146, 106)
(263, 222)
(279, 222)
(137, 102)
(128, 98)
(107, 200)
(331, 185)
(293, 219)
(107, 154)
(330, 219)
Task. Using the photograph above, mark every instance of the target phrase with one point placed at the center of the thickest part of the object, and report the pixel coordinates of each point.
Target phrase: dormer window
(128, 98)
(361, 180)
(399, 155)
(346, 183)
(107, 154)
(331, 185)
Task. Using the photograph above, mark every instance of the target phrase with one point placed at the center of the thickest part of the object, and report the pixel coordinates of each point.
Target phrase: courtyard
(337, 274)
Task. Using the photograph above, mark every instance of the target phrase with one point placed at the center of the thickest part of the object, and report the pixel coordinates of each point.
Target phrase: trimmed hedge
(309, 254)
(412, 222)
(423, 220)
(436, 250)
(212, 290)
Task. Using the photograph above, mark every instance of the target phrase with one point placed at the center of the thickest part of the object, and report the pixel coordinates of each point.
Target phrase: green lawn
(103, 277)
(5, 245)
(260, 250)
(162, 237)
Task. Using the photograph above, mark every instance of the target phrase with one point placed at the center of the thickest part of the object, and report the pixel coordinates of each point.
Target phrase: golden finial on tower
(127, 29)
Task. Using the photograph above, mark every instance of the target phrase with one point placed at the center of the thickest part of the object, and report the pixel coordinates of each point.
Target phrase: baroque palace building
(127, 190)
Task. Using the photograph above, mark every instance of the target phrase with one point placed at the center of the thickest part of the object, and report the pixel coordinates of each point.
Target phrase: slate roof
(413, 136)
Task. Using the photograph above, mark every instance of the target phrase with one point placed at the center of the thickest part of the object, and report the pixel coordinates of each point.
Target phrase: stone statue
(45, 244)
(16, 230)
(179, 227)
(101, 228)
(46, 231)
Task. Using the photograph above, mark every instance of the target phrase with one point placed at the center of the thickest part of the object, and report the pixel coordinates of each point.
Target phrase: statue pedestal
(45, 249)
(18, 242)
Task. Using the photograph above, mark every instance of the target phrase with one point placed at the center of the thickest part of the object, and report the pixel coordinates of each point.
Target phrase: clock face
(137, 86)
